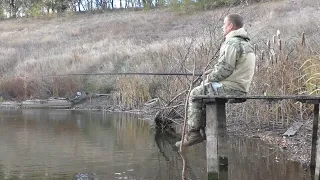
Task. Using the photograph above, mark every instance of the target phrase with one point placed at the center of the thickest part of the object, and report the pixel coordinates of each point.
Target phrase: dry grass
(310, 69)
(156, 41)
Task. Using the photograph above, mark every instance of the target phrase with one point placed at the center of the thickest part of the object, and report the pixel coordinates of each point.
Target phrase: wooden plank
(293, 129)
(293, 97)
(308, 101)
(48, 103)
(312, 101)
(212, 142)
(314, 138)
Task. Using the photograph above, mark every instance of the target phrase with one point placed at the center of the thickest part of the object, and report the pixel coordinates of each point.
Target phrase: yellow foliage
(311, 74)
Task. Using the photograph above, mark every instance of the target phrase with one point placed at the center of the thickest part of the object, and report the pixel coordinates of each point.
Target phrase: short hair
(236, 20)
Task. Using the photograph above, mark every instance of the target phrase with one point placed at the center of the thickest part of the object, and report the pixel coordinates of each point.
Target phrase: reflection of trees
(131, 132)
(73, 139)
(253, 159)
(248, 159)
(171, 168)
(112, 141)
(165, 142)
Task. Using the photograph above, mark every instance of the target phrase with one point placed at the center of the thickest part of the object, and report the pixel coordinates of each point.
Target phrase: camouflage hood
(235, 66)
(238, 33)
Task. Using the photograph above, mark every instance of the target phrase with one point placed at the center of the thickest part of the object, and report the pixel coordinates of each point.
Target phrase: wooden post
(215, 117)
(314, 139)
(222, 139)
(212, 142)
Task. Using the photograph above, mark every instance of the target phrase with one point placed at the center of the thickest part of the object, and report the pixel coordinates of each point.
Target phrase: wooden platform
(46, 104)
(217, 134)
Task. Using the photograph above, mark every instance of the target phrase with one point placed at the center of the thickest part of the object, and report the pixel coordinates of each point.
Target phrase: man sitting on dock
(232, 75)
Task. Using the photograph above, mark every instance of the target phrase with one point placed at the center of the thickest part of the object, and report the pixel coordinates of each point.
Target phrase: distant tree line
(20, 8)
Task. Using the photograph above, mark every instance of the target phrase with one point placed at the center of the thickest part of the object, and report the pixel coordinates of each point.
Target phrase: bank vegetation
(34, 51)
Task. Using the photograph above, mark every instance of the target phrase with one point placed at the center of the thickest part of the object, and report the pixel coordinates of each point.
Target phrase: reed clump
(132, 91)
(310, 69)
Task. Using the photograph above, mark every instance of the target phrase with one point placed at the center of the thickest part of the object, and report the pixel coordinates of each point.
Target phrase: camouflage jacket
(236, 63)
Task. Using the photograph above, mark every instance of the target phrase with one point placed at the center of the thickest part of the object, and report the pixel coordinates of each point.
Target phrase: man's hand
(204, 77)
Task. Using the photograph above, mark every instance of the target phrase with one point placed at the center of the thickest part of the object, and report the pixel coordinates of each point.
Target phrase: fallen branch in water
(157, 116)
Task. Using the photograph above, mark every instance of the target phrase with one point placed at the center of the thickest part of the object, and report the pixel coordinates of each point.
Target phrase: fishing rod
(130, 73)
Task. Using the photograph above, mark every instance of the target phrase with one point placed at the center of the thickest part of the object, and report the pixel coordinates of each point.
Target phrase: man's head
(232, 22)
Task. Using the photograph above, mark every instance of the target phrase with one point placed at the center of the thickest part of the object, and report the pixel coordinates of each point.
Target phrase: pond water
(61, 144)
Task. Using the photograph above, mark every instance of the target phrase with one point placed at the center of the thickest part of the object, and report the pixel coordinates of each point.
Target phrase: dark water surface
(58, 144)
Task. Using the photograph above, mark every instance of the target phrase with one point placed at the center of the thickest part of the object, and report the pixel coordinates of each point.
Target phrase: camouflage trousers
(196, 110)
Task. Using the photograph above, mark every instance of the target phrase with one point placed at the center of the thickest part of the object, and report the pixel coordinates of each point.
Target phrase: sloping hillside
(31, 50)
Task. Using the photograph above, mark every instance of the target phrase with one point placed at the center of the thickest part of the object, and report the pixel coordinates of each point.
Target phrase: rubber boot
(192, 138)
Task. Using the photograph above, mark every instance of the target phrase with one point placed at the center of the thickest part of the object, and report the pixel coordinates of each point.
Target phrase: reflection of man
(231, 75)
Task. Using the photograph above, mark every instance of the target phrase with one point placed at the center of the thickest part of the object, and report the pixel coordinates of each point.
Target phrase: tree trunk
(84, 8)
(13, 12)
(79, 4)
(144, 2)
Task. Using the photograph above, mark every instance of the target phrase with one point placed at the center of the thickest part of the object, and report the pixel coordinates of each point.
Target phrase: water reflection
(171, 167)
(59, 144)
(48, 144)
(253, 159)
(248, 159)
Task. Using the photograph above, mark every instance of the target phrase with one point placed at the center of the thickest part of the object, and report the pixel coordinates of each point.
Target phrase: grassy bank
(33, 50)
